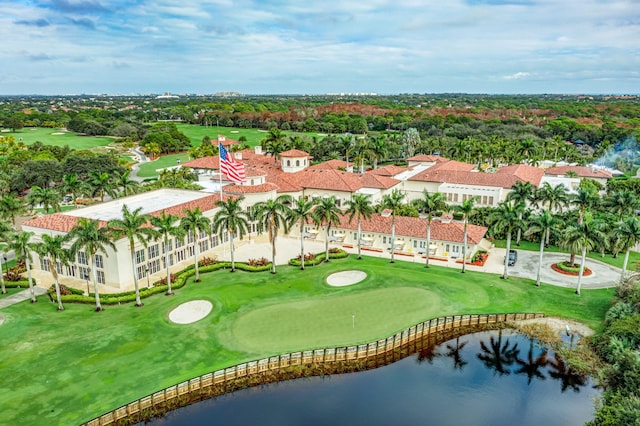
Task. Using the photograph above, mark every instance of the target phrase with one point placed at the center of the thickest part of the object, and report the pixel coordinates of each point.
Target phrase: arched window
(288, 163)
(297, 163)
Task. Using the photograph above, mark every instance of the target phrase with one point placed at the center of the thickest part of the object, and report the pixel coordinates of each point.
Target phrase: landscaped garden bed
(573, 270)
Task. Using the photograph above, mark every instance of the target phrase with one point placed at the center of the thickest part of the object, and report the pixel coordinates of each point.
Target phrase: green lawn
(149, 169)
(634, 257)
(67, 367)
(254, 136)
(58, 137)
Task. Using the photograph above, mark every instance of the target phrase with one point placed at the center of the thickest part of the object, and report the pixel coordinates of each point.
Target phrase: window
(99, 261)
(214, 241)
(140, 256)
(59, 268)
(141, 271)
(82, 258)
(190, 238)
(491, 200)
(100, 277)
(164, 263)
(202, 235)
(44, 264)
(170, 246)
(288, 163)
(204, 246)
(71, 270)
(191, 251)
(84, 273)
(179, 243)
(180, 256)
(153, 251)
(297, 163)
(154, 266)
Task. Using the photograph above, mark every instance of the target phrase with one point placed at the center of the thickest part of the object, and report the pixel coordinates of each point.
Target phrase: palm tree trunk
(4, 290)
(582, 260)
(166, 263)
(135, 276)
(95, 285)
(195, 257)
(301, 244)
(426, 262)
(273, 253)
(540, 260)
(505, 274)
(548, 234)
(393, 238)
(624, 264)
(231, 252)
(33, 293)
(326, 243)
(56, 283)
(359, 240)
(464, 248)
(519, 234)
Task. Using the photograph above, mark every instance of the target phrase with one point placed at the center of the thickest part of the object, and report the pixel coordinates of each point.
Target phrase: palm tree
(543, 224)
(466, 209)
(133, 226)
(556, 197)
(233, 219)
(302, 212)
(71, 184)
(274, 143)
(393, 202)
(101, 184)
(346, 145)
(628, 233)
(272, 215)
(48, 197)
(429, 206)
(360, 206)
(126, 185)
(167, 226)
(522, 192)
(326, 213)
(11, 207)
(90, 236)
(622, 202)
(584, 237)
(23, 246)
(52, 247)
(507, 218)
(193, 223)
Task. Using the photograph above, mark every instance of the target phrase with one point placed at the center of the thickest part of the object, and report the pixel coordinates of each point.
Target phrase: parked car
(513, 256)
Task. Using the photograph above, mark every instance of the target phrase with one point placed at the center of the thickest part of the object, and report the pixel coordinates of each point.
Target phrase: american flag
(234, 170)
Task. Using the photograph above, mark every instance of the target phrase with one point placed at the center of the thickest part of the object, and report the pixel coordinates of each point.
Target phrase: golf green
(332, 320)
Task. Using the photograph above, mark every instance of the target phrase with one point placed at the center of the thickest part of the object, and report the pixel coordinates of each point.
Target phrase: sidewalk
(21, 296)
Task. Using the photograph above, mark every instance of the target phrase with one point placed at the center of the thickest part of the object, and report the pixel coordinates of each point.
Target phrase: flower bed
(372, 249)
(566, 270)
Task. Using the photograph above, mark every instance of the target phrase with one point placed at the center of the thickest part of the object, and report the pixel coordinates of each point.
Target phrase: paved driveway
(603, 275)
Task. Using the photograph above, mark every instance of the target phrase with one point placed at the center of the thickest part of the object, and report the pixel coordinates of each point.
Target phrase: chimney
(237, 155)
(258, 150)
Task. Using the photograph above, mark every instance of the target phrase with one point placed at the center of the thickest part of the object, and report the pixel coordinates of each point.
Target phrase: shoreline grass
(70, 366)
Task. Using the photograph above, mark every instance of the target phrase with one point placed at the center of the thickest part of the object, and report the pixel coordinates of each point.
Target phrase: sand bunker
(190, 312)
(344, 278)
(57, 133)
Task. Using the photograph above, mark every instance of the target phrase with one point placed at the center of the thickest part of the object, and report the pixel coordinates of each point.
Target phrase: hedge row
(319, 258)
(16, 284)
(130, 296)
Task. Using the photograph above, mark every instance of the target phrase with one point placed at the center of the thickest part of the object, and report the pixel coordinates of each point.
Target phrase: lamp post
(4, 257)
(86, 277)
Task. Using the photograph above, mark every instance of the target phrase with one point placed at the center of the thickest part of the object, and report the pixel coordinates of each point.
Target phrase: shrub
(307, 257)
(334, 250)
(163, 280)
(206, 261)
(11, 275)
(263, 261)
(619, 311)
(64, 290)
(568, 267)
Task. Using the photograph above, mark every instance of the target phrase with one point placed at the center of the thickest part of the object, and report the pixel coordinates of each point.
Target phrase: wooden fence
(302, 364)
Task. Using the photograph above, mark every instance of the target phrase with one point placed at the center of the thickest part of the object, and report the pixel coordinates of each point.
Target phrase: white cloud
(517, 76)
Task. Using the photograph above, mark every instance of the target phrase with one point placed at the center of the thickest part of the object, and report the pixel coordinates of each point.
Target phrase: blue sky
(298, 47)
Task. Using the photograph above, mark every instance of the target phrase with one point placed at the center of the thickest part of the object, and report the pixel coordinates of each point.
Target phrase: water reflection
(479, 379)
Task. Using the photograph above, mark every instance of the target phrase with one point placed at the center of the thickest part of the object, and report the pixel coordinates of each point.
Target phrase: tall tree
(326, 214)
(274, 143)
(232, 219)
(23, 246)
(126, 185)
(167, 225)
(522, 192)
(622, 202)
(429, 206)
(134, 226)
(5, 236)
(302, 212)
(393, 202)
(194, 222)
(360, 207)
(71, 184)
(52, 248)
(466, 209)
(89, 236)
(555, 198)
(48, 197)
(507, 218)
(542, 224)
(584, 237)
(101, 184)
(628, 234)
(11, 207)
(273, 215)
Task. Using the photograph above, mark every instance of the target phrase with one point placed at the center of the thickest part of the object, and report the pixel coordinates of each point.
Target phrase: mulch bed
(585, 273)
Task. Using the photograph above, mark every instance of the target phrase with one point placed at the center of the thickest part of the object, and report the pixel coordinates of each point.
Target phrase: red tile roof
(424, 158)
(524, 172)
(296, 153)
(331, 164)
(390, 170)
(203, 163)
(369, 180)
(460, 173)
(581, 171)
(417, 228)
(249, 189)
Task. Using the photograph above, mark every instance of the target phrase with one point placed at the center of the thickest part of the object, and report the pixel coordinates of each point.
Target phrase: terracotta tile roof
(369, 180)
(249, 189)
(416, 228)
(225, 141)
(461, 174)
(254, 171)
(581, 171)
(331, 164)
(424, 158)
(203, 163)
(294, 153)
(204, 203)
(329, 179)
(390, 170)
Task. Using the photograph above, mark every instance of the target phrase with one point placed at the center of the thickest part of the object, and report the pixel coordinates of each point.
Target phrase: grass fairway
(68, 367)
(149, 169)
(254, 136)
(58, 137)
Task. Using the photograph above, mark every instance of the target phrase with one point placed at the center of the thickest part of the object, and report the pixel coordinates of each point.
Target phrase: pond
(487, 378)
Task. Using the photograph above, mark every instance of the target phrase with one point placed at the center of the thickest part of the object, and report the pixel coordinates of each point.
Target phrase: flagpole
(219, 161)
